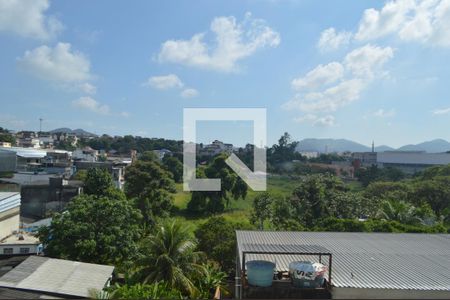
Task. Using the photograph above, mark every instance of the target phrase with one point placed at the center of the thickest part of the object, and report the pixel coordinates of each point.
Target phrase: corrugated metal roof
(415, 158)
(57, 276)
(366, 260)
(9, 200)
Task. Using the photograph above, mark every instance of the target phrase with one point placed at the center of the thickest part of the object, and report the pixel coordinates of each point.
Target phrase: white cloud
(325, 121)
(164, 82)
(349, 79)
(58, 64)
(125, 114)
(425, 21)
(189, 93)
(88, 88)
(366, 60)
(328, 100)
(332, 40)
(91, 104)
(381, 113)
(28, 19)
(442, 111)
(233, 42)
(320, 75)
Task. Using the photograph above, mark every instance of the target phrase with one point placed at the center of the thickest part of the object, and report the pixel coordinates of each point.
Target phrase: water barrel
(260, 272)
(305, 274)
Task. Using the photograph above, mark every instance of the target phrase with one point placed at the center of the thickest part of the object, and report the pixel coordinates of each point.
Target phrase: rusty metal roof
(365, 260)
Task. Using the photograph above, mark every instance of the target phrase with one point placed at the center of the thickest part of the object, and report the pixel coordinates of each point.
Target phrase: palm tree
(399, 211)
(169, 255)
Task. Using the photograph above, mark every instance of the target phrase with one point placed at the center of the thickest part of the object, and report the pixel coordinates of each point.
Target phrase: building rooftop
(22, 238)
(9, 200)
(364, 260)
(57, 276)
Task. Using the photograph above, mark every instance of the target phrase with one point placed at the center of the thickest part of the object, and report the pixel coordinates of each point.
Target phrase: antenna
(40, 124)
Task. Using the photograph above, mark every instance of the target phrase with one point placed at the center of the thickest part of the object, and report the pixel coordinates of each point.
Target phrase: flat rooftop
(57, 276)
(362, 260)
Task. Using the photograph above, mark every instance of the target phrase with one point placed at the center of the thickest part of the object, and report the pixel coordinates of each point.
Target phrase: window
(7, 250)
(24, 250)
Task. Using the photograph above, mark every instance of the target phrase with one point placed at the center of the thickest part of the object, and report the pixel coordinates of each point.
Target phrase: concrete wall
(362, 293)
(9, 221)
(39, 200)
(8, 161)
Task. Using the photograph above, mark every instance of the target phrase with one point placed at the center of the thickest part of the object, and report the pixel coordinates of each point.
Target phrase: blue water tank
(260, 272)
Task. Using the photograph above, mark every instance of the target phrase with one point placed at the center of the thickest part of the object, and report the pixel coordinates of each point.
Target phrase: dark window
(7, 250)
(24, 250)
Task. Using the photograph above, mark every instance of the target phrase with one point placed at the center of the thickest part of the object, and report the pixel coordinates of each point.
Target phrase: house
(215, 148)
(161, 153)
(9, 213)
(12, 240)
(360, 265)
(56, 278)
(85, 154)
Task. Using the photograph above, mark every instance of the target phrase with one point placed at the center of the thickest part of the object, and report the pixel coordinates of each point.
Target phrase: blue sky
(361, 70)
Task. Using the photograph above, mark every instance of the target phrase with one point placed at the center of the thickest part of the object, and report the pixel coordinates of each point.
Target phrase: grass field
(238, 210)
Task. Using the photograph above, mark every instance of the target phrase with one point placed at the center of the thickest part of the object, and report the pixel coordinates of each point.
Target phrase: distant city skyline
(359, 70)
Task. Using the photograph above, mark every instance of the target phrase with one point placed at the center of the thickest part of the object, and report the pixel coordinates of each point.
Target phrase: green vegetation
(176, 244)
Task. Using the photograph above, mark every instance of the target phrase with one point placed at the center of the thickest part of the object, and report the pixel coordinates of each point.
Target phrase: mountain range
(77, 132)
(341, 145)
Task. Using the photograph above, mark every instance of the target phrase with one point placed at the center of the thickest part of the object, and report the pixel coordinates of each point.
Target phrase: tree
(151, 186)
(158, 290)
(174, 166)
(97, 182)
(214, 202)
(168, 254)
(399, 211)
(216, 237)
(94, 229)
(311, 198)
(261, 209)
(6, 136)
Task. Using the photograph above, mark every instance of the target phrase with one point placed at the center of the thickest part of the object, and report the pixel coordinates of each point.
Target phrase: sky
(360, 70)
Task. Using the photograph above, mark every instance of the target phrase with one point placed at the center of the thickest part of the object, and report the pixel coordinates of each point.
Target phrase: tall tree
(152, 187)
(174, 166)
(232, 186)
(94, 229)
(169, 255)
(97, 182)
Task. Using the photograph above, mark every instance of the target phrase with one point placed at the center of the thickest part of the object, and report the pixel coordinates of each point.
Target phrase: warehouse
(361, 265)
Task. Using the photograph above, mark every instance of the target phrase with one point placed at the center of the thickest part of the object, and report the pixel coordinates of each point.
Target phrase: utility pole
(40, 124)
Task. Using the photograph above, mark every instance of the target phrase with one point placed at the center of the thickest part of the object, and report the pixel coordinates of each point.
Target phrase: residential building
(57, 278)
(12, 240)
(85, 154)
(9, 213)
(161, 153)
(39, 199)
(5, 144)
(360, 265)
(215, 148)
(116, 168)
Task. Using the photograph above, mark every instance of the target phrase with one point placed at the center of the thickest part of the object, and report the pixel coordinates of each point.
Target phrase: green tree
(174, 166)
(311, 198)
(152, 187)
(261, 209)
(169, 254)
(232, 186)
(94, 229)
(97, 182)
(158, 290)
(216, 237)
